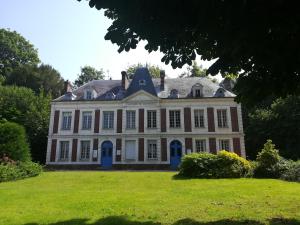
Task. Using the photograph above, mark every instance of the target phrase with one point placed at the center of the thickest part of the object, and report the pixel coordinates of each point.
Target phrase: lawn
(146, 198)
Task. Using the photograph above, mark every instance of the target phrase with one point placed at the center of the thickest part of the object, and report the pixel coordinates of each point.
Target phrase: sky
(69, 35)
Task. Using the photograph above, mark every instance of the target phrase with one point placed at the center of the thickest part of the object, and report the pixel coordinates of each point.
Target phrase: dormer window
(220, 93)
(142, 82)
(174, 93)
(88, 95)
(198, 93)
(110, 96)
(197, 90)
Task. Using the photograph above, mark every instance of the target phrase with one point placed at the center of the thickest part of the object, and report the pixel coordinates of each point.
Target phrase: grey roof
(112, 90)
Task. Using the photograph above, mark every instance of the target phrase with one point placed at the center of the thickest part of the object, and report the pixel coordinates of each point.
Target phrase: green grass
(146, 198)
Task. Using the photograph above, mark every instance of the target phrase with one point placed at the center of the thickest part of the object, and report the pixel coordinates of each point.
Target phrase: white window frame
(152, 150)
(88, 94)
(175, 119)
(151, 119)
(200, 145)
(130, 154)
(64, 149)
(66, 120)
(199, 118)
(85, 150)
(87, 117)
(224, 144)
(108, 120)
(130, 119)
(222, 118)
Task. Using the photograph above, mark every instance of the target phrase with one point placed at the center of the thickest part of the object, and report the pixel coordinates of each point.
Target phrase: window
(142, 82)
(64, 151)
(152, 149)
(199, 117)
(85, 150)
(151, 119)
(67, 118)
(174, 117)
(222, 117)
(198, 93)
(130, 150)
(130, 119)
(174, 93)
(197, 90)
(108, 120)
(224, 145)
(86, 120)
(88, 94)
(200, 145)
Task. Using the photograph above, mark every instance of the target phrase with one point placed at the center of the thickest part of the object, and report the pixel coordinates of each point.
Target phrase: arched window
(220, 92)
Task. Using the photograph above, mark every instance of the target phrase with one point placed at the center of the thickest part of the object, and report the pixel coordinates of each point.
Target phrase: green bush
(13, 142)
(292, 173)
(223, 165)
(19, 170)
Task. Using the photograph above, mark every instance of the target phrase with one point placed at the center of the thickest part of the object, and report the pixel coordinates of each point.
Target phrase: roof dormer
(174, 93)
(197, 90)
(220, 92)
(89, 94)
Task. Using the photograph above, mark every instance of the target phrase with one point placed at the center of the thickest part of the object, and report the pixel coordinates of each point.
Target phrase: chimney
(162, 80)
(67, 87)
(124, 80)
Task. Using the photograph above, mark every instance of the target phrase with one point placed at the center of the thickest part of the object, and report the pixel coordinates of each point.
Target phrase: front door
(106, 154)
(175, 154)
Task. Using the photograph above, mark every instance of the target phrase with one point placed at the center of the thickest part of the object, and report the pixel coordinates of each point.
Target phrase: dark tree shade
(259, 38)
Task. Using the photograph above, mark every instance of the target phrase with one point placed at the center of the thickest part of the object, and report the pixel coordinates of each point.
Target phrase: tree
(87, 74)
(154, 70)
(246, 37)
(194, 71)
(43, 77)
(22, 106)
(15, 50)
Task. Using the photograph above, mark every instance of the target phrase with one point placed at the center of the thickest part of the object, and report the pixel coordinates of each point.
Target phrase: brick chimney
(67, 87)
(162, 80)
(124, 80)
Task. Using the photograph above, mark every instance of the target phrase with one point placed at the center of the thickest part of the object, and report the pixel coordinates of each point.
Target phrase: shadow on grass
(120, 220)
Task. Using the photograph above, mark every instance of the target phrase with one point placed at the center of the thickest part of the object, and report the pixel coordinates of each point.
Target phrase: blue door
(175, 154)
(106, 154)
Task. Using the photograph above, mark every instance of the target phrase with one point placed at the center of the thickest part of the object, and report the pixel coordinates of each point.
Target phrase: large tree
(88, 73)
(194, 71)
(154, 70)
(15, 51)
(259, 39)
(43, 77)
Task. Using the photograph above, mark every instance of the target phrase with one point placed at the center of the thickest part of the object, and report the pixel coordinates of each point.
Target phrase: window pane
(85, 150)
(174, 118)
(130, 119)
(67, 118)
(130, 150)
(108, 120)
(152, 149)
(200, 145)
(86, 120)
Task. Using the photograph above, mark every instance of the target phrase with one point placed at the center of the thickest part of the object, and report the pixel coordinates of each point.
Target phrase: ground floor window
(201, 145)
(130, 150)
(85, 150)
(64, 150)
(224, 144)
(152, 149)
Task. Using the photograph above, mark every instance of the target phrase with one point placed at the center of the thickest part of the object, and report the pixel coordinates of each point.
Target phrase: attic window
(197, 93)
(174, 93)
(197, 90)
(109, 96)
(220, 93)
(88, 94)
(142, 82)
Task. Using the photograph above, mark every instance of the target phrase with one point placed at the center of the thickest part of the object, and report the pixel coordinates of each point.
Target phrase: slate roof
(109, 90)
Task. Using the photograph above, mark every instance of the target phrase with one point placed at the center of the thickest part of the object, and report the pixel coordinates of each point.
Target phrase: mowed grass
(146, 198)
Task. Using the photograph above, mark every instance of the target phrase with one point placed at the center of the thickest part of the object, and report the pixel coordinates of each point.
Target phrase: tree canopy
(194, 71)
(154, 70)
(15, 50)
(88, 73)
(259, 40)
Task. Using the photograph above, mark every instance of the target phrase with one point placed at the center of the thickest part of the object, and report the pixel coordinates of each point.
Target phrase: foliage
(154, 70)
(293, 173)
(13, 141)
(42, 77)
(242, 36)
(22, 106)
(194, 71)
(205, 165)
(15, 51)
(87, 74)
(277, 121)
(21, 170)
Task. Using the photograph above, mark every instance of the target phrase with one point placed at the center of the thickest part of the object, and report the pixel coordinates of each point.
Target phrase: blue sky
(69, 34)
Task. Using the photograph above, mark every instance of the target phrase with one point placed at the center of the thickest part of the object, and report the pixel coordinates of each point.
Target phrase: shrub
(13, 142)
(292, 173)
(206, 165)
(20, 170)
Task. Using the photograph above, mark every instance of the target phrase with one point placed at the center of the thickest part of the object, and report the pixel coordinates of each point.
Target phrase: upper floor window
(130, 119)
(200, 145)
(199, 118)
(64, 150)
(197, 90)
(142, 82)
(224, 144)
(66, 120)
(86, 120)
(222, 117)
(108, 120)
(85, 150)
(88, 94)
(151, 119)
(174, 118)
(174, 93)
(152, 149)
(198, 93)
